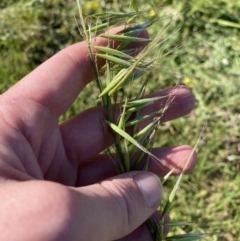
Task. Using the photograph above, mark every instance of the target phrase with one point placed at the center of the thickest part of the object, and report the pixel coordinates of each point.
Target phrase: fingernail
(151, 188)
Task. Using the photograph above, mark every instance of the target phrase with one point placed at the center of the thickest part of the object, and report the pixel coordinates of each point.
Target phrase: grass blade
(178, 223)
(187, 237)
(143, 101)
(148, 128)
(114, 15)
(130, 76)
(125, 38)
(172, 195)
(114, 82)
(114, 60)
(98, 27)
(130, 139)
(127, 136)
(136, 108)
(140, 26)
(113, 52)
(139, 119)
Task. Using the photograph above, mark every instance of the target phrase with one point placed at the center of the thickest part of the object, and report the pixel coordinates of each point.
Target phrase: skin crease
(54, 184)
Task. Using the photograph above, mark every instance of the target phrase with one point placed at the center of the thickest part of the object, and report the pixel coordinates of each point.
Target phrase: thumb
(115, 207)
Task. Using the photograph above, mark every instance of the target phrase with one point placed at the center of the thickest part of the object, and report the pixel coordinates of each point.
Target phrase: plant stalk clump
(126, 65)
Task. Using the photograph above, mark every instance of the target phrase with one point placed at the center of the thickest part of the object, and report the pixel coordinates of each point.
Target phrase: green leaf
(178, 223)
(146, 129)
(114, 82)
(140, 26)
(134, 75)
(143, 101)
(130, 139)
(226, 23)
(113, 52)
(98, 27)
(172, 195)
(109, 73)
(187, 237)
(130, 76)
(116, 15)
(125, 38)
(136, 108)
(121, 123)
(114, 59)
(139, 119)
(121, 82)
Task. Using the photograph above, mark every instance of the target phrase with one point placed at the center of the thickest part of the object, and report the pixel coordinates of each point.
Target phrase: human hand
(54, 184)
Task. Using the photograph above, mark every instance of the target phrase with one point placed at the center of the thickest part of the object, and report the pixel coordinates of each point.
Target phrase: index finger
(57, 82)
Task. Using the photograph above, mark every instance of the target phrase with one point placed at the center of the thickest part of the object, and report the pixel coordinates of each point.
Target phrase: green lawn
(204, 41)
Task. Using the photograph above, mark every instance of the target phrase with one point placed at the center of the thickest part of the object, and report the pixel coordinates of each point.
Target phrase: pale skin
(52, 178)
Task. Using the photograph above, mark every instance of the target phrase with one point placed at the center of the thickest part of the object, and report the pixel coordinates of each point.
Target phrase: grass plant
(122, 69)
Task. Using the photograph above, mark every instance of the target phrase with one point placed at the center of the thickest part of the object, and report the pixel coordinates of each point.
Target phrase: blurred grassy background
(206, 38)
